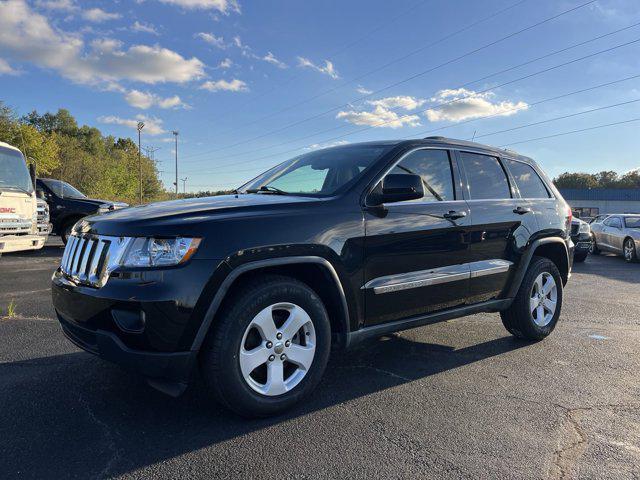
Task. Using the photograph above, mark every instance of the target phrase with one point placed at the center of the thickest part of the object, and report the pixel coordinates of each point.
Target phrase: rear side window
(485, 176)
(527, 180)
(434, 167)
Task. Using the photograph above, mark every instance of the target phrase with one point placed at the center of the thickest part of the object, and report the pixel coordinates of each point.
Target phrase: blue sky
(249, 84)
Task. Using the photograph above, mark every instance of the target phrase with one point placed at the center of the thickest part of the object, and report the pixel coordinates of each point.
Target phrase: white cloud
(145, 100)
(363, 90)
(26, 36)
(6, 69)
(403, 101)
(223, 6)
(152, 125)
(462, 104)
(211, 39)
(379, 117)
(234, 85)
(62, 5)
(144, 28)
(270, 58)
(328, 68)
(383, 115)
(317, 146)
(225, 64)
(97, 15)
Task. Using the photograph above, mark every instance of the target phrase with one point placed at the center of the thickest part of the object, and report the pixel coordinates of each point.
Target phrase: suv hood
(183, 216)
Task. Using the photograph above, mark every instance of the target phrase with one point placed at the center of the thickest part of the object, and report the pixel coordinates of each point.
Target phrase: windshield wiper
(267, 188)
(15, 187)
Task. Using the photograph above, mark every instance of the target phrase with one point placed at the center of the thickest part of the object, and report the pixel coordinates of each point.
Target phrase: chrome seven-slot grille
(89, 259)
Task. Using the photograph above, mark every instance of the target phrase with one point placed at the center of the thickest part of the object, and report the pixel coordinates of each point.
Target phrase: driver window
(613, 222)
(434, 167)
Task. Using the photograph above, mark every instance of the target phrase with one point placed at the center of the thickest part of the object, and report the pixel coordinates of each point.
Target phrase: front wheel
(580, 257)
(536, 308)
(630, 250)
(269, 349)
(66, 232)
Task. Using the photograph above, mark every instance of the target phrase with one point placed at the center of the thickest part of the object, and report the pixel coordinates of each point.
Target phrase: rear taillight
(569, 218)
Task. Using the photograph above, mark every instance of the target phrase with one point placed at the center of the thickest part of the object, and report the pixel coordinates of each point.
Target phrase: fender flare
(526, 260)
(236, 272)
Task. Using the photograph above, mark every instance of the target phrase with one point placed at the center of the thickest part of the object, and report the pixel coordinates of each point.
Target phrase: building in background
(599, 201)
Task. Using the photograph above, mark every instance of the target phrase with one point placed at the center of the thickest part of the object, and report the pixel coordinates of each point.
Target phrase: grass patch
(11, 309)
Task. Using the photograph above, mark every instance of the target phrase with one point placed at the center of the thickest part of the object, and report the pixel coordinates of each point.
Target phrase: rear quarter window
(527, 180)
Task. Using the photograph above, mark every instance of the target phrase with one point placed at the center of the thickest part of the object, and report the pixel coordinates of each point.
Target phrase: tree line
(604, 179)
(101, 166)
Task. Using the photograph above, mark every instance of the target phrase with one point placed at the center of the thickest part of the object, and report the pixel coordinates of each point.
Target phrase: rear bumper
(171, 367)
(18, 243)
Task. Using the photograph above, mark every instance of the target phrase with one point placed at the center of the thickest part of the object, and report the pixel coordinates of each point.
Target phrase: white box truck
(18, 204)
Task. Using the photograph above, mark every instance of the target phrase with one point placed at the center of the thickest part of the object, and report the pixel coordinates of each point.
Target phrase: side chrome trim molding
(436, 276)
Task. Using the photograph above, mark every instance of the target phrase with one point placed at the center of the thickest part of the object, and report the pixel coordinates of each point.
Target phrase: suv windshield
(62, 189)
(320, 173)
(632, 222)
(13, 171)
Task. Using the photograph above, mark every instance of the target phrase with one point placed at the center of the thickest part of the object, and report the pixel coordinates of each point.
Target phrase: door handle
(521, 210)
(453, 215)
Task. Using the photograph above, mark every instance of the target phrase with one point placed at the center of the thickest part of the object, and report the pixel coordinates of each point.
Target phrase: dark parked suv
(67, 204)
(324, 250)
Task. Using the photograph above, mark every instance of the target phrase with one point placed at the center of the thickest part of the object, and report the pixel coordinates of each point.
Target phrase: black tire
(594, 248)
(629, 243)
(518, 319)
(580, 257)
(219, 358)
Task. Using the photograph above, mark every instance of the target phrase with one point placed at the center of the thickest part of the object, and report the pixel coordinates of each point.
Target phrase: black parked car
(67, 205)
(582, 239)
(327, 249)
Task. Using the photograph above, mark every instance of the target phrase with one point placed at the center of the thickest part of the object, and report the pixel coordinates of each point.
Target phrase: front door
(416, 251)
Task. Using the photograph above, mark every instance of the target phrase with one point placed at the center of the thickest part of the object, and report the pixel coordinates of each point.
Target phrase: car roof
(453, 143)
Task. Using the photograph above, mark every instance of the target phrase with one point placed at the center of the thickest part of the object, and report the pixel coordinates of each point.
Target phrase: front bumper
(168, 367)
(144, 321)
(18, 243)
(582, 242)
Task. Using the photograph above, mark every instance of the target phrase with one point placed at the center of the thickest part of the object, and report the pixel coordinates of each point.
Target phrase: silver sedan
(618, 234)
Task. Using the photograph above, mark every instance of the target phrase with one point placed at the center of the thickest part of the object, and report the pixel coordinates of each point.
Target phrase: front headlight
(159, 252)
(584, 228)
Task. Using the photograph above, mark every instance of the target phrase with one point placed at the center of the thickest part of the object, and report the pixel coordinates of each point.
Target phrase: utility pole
(184, 184)
(140, 127)
(175, 134)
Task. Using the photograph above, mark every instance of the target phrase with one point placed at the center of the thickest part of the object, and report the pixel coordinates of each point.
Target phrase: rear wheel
(630, 250)
(536, 308)
(269, 349)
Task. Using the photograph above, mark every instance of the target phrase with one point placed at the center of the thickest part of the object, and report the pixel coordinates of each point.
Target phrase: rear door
(502, 223)
(416, 252)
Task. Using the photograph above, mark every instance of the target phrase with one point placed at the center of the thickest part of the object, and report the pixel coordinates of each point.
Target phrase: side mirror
(398, 188)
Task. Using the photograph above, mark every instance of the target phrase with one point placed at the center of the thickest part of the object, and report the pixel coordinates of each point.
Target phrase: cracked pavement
(459, 399)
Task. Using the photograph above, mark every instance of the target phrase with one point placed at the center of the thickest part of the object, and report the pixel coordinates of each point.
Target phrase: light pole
(175, 134)
(184, 185)
(140, 127)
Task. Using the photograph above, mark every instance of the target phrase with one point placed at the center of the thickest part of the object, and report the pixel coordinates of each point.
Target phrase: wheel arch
(317, 272)
(553, 248)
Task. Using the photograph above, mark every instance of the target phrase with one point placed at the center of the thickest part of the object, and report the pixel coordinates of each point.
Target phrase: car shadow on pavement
(610, 266)
(74, 415)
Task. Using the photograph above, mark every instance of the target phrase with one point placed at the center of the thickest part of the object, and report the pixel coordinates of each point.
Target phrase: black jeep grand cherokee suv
(323, 250)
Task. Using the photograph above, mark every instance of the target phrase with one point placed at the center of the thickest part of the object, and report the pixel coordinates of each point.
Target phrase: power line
(571, 132)
(441, 104)
(400, 82)
(562, 117)
(384, 66)
(545, 70)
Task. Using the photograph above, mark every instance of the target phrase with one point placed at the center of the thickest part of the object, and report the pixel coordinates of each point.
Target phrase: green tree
(576, 180)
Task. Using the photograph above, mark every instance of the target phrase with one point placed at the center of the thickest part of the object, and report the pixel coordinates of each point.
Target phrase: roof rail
(434, 138)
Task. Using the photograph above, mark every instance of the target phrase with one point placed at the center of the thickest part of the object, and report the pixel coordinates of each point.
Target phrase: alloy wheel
(543, 299)
(277, 349)
(628, 250)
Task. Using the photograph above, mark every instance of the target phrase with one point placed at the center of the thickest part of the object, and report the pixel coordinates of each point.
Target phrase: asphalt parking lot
(460, 399)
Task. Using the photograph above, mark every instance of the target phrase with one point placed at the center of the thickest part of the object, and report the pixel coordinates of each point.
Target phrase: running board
(358, 336)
